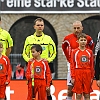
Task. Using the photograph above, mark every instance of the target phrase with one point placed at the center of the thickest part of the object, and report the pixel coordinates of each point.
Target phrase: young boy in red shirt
(5, 72)
(82, 69)
(38, 69)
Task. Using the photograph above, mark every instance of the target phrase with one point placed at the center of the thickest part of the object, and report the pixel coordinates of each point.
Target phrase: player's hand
(48, 91)
(6, 83)
(98, 83)
(72, 81)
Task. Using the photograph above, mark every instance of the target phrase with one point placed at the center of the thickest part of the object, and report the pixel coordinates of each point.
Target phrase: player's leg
(42, 94)
(87, 84)
(87, 96)
(29, 96)
(70, 86)
(2, 88)
(78, 96)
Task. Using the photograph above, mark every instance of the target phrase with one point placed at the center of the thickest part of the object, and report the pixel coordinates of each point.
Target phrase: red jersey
(70, 42)
(5, 67)
(41, 70)
(82, 60)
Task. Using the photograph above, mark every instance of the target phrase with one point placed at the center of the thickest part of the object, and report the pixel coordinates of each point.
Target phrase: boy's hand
(6, 83)
(48, 91)
(98, 83)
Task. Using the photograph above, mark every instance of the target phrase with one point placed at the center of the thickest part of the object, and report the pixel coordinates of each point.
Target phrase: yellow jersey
(6, 39)
(48, 47)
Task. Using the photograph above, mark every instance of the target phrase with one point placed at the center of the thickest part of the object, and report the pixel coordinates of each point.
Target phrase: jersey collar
(40, 36)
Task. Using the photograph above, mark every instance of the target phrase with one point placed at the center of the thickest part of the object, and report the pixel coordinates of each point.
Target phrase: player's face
(39, 26)
(82, 42)
(34, 53)
(77, 28)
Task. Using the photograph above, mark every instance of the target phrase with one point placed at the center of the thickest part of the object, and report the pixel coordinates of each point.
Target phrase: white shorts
(68, 75)
(69, 79)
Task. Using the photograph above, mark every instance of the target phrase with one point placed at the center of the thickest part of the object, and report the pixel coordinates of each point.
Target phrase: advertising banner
(17, 90)
(50, 6)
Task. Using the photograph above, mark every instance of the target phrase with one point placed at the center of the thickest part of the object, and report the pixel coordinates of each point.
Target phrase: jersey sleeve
(9, 70)
(9, 41)
(26, 50)
(90, 43)
(72, 65)
(65, 47)
(28, 71)
(52, 50)
(48, 74)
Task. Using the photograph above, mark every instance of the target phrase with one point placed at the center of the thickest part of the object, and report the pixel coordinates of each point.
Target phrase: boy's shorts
(2, 86)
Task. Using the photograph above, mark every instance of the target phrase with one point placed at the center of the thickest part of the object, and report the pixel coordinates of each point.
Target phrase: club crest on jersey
(84, 59)
(38, 70)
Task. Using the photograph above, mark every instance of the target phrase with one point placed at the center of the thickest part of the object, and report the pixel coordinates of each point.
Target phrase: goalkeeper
(38, 75)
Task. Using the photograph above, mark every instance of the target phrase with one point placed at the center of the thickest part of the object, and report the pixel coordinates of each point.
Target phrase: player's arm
(90, 43)
(72, 68)
(9, 70)
(72, 65)
(92, 65)
(52, 50)
(97, 47)
(9, 45)
(26, 51)
(28, 71)
(48, 74)
(65, 46)
(97, 69)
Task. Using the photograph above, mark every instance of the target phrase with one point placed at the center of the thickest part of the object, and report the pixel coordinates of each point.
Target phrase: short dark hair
(38, 19)
(37, 47)
(82, 35)
(0, 18)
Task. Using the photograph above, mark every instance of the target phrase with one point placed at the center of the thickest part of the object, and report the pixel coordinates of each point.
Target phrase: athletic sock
(49, 97)
(69, 98)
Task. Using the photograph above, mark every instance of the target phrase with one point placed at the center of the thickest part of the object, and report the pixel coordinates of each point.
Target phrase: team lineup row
(39, 50)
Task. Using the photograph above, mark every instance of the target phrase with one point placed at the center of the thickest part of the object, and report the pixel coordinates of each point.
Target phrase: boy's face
(82, 41)
(35, 53)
